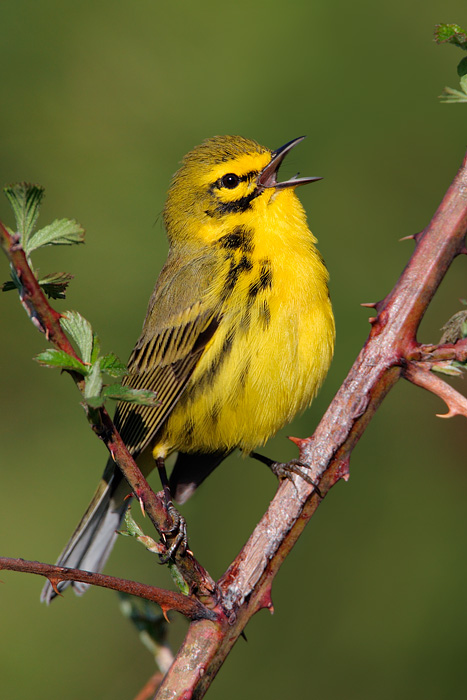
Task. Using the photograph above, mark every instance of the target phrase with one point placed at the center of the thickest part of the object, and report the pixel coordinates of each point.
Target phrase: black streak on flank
(263, 282)
(265, 314)
(208, 377)
(235, 270)
(240, 238)
(244, 373)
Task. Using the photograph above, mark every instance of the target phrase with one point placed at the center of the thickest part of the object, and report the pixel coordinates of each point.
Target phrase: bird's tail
(93, 539)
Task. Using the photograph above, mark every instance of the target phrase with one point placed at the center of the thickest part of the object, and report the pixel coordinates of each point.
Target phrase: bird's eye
(230, 181)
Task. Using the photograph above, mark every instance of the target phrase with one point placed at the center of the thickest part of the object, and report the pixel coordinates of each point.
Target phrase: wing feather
(164, 364)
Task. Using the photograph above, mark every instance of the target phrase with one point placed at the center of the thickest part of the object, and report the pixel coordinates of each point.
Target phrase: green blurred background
(99, 103)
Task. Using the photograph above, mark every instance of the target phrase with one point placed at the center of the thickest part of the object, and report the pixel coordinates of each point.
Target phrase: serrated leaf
(59, 232)
(112, 365)
(80, 331)
(93, 383)
(61, 360)
(451, 34)
(25, 200)
(143, 397)
(55, 284)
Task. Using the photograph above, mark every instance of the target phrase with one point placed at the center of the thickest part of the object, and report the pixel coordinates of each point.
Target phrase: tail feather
(92, 541)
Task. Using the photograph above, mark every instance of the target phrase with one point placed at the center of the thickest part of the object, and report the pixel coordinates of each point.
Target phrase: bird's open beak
(268, 176)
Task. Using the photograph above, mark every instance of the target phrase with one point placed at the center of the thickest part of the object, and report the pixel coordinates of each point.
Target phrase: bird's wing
(174, 336)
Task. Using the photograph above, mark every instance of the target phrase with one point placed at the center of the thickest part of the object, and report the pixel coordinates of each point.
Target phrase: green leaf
(143, 397)
(451, 34)
(450, 368)
(25, 200)
(132, 527)
(13, 283)
(8, 286)
(95, 401)
(93, 384)
(462, 67)
(112, 365)
(96, 348)
(55, 284)
(61, 360)
(60, 232)
(450, 95)
(80, 331)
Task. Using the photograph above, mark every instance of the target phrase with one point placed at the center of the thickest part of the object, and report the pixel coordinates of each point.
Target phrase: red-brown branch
(419, 375)
(168, 600)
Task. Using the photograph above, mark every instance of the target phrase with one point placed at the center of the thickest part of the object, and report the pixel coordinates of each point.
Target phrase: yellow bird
(238, 336)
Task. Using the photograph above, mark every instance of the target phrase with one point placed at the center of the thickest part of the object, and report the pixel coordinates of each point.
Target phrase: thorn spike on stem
(54, 581)
(421, 376)
(266, 600)
(369, 304)
(449, 414)
(141, 505)
(300, 442)
(407, 238)
(343, 471)
(372, 319)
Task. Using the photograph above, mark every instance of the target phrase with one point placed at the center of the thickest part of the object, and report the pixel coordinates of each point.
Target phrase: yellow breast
(275, 341)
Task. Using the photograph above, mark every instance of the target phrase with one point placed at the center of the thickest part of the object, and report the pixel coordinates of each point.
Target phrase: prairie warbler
(238, 335)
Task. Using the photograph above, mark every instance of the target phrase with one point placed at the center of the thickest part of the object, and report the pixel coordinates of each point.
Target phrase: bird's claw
(285, 470)
(175, 538)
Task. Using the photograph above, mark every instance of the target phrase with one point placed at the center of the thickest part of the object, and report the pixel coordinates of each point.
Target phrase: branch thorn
(54, 581)
(300, 442)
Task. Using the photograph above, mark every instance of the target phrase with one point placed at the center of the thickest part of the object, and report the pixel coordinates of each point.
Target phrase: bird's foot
(285, 470)
(175, 538)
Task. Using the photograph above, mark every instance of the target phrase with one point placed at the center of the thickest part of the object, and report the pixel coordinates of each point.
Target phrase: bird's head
(223, 183)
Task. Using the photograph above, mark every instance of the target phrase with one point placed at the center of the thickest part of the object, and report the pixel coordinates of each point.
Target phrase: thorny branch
(168, 600)
(390, 352)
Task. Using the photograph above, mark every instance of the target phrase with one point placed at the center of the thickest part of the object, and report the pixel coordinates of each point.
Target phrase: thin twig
(188, 606)
(421, 376)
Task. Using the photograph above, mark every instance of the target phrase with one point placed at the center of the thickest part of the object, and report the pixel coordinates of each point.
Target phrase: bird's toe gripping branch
(286, 470)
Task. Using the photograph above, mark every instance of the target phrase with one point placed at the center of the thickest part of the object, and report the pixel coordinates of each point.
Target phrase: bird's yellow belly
(260, 370)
